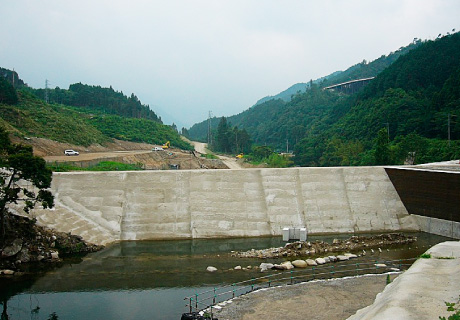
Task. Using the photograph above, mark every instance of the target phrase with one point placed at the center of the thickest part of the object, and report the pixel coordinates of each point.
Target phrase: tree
(185, 132)
(261, 152)
(7, 92)
(19, 168)
(222, 137)
(382, 150)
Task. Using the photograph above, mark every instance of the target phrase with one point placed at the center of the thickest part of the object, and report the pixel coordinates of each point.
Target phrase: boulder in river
(266, 266)
(299, 263)
(211, 269)
(311, 262)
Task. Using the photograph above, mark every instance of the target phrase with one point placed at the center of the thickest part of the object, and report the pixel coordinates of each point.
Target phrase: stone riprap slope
(109, 206)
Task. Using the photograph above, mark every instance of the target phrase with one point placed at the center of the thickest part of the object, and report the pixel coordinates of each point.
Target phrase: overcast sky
(185, 58)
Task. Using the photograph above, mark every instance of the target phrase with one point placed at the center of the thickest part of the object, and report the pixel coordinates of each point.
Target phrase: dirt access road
(130, 152)
(95, 155)
(231, 163)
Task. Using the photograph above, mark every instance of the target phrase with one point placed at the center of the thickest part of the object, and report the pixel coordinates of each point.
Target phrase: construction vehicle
(166, 145)
(239, 156)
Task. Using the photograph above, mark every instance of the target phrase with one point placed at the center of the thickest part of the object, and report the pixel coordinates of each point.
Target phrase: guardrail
(208, 299)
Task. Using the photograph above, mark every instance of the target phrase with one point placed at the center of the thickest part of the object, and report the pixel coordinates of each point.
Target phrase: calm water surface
(147, 279)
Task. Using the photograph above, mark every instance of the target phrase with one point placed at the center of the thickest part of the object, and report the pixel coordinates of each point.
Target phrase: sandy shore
(324, 299)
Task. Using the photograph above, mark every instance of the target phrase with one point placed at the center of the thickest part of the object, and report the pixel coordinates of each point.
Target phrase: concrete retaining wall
(432, 197)
(110, 206)
(440, 227)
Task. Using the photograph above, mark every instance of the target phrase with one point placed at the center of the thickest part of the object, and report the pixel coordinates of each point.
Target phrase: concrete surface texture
(104, 207)
(421, 291)
(438, 226)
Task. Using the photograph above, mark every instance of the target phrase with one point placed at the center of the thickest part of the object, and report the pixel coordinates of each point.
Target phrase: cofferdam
(104, 207)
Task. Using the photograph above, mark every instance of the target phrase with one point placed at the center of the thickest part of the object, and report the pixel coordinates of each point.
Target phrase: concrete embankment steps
(67, 221)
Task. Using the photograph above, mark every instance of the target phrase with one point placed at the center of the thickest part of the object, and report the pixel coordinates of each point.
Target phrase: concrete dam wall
(104, 207)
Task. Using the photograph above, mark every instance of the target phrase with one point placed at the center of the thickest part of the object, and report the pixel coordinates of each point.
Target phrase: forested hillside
(416, 103)
(24, 114)
(98, 99)
(247, 118)
(405, 112)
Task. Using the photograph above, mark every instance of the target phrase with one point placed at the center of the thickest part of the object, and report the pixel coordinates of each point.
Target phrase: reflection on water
(148, 279)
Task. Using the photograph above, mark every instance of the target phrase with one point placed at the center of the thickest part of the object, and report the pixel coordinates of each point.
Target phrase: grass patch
(101, 166)
(209, 156)
(426, 256)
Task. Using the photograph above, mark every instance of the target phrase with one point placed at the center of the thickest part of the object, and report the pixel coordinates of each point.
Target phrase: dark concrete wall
(428, 193)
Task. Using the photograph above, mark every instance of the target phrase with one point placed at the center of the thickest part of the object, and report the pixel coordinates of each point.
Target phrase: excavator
(166, 145)
(239, 156)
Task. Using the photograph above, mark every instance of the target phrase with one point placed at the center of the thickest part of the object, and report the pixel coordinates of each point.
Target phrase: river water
(147, 279)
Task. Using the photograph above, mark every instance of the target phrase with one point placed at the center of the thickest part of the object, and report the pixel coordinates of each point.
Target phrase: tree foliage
(230, 139)
(19, 169)
(7, 92)
(138, 130)
(100, 100)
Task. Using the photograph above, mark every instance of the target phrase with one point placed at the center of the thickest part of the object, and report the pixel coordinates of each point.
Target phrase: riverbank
(418, 293)
(315, 300)
(27, 246)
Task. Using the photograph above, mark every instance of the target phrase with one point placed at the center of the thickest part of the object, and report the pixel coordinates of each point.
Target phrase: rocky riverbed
(316, 248)
(27, 246)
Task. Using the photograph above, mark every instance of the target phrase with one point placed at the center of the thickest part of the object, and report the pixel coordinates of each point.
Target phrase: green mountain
(416, 103)
(104, 115)
(286, 94)
(253, 119)
(409, 107)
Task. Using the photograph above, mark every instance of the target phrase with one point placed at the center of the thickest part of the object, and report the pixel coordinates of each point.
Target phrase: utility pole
(388, 131)
(448, 127)
(209, 128)
(46, 91)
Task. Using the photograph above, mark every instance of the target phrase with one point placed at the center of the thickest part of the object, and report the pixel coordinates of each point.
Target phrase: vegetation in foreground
(101, 166)
(24, 182)
(453, 307)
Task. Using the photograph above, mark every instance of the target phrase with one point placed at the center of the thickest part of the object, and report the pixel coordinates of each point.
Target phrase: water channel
(148, 279)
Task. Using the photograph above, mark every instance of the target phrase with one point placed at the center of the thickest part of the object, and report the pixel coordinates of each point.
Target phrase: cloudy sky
(187, 57)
